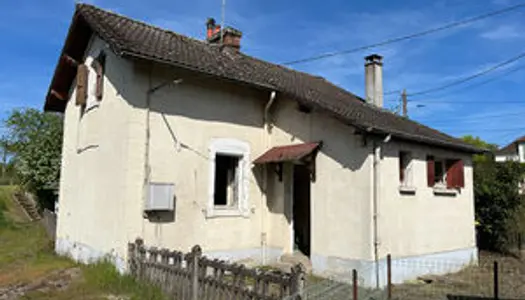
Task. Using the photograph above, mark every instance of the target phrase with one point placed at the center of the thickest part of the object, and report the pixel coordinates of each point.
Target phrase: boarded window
(226, 180)
(82, 84)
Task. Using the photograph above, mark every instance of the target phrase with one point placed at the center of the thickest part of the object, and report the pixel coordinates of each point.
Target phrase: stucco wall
(185, 118)
(342, 188)
(103, 171)
(93, 179)
(422, 223)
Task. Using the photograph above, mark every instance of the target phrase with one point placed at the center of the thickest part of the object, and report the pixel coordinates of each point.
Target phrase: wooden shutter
(460, 173)
(82, 84)
(430, 171)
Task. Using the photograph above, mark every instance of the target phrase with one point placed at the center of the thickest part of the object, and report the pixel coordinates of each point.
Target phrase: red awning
(287, 153)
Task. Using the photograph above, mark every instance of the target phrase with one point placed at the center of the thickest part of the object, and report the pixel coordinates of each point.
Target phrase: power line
(478, 84)
(471, 77)
(489, 129)
(407, 37)
(476, 119)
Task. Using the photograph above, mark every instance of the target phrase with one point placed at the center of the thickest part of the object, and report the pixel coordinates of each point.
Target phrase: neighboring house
(181, 142)
(514, 151)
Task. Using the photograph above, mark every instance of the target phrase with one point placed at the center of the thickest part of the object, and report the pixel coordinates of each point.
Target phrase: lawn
(30, 270)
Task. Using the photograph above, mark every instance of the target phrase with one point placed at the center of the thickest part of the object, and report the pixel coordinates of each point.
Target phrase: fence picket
(193, 276)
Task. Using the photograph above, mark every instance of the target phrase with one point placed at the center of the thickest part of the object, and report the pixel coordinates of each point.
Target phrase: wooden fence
(192, 276)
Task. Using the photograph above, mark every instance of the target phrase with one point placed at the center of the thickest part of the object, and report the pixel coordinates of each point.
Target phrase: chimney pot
(230, 37)
(210, 26)
(374, 79)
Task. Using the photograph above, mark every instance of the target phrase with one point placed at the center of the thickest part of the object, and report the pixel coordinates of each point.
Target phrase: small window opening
(226, 191)
(440, 172)
(405, 168)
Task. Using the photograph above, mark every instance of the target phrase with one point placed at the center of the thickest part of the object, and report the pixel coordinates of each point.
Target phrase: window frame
(406, 170)
(452, 177)
(232, 147)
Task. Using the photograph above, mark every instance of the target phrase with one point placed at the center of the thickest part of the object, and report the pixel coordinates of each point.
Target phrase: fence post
(496, 281)
(140, 256)
(132, 266)
(297, 284)
(354, 284)
(389, 275)
(196, 253)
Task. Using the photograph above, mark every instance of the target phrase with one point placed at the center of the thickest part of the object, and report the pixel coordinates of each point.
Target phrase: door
(301, 209)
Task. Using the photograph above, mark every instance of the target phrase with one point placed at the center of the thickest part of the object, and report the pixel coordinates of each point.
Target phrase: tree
(35, 139)
(498, 205)
(478, 142)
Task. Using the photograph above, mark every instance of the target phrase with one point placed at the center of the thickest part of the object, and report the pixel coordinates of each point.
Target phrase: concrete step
(28, 206)
(290, 260)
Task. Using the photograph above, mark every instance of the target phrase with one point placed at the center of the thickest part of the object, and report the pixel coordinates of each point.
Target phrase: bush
(499, 207)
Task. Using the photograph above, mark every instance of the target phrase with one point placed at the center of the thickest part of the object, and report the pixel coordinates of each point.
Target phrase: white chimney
(374, 79)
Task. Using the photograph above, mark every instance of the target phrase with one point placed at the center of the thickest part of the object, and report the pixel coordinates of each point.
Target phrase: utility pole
(405, 106)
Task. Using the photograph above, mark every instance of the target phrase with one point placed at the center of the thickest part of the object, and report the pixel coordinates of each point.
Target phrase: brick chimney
(374, 79)
(231, 37)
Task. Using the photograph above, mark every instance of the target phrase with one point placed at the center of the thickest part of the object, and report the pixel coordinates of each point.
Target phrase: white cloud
(504, 32)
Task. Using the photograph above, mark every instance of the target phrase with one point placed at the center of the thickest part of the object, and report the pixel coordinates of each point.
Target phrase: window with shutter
(430, 171)
(99, 65)
(82, 84)
(459, 174)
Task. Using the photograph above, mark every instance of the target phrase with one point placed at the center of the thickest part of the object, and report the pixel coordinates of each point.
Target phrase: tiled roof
(287, 153)
(131, 38)
(511, 148)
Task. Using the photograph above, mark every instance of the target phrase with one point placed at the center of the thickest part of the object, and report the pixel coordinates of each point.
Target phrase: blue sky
(33, 32)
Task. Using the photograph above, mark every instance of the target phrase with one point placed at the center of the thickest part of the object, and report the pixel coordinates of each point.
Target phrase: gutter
(267, 126)
(376, 176)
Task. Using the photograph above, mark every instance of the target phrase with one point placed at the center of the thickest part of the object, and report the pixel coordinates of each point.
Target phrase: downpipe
(377, 147)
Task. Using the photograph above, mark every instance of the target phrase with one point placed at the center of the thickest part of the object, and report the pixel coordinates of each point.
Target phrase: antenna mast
(223, 16)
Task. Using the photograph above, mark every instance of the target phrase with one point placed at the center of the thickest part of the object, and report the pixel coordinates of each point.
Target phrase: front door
(301, 209)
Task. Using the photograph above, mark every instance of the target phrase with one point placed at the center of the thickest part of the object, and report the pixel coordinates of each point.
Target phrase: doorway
(301, 209)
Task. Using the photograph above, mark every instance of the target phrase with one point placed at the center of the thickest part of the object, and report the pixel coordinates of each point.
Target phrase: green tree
(498, 205)
(478, 142)
(35, 139)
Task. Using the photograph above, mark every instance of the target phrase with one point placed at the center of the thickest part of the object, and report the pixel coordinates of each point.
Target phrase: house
(182, 141)
(515, 151)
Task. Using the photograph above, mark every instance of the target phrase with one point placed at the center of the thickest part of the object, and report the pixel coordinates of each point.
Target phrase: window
(405, 168)
(226, 180)
(445, 173)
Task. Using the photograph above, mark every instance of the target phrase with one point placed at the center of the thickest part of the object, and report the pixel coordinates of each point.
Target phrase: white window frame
(91, 101)
(408, 174)
(235, 148)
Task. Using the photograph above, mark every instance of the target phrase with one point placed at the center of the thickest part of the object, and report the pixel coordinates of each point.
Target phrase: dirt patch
(55, 281)
(474, 281)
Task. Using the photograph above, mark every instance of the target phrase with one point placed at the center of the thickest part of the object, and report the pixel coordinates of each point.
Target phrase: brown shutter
(82, 84)
(430, 171)
(460, 173)
(450, 166)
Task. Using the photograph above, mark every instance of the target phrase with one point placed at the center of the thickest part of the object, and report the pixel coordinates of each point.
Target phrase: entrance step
(287, 261)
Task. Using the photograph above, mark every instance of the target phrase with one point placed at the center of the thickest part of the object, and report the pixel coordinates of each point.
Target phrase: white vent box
(160, 197)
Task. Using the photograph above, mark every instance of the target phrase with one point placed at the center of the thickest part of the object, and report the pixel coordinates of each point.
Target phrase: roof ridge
(141, 22)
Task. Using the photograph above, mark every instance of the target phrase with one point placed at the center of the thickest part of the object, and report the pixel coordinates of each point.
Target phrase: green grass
(26, 255)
